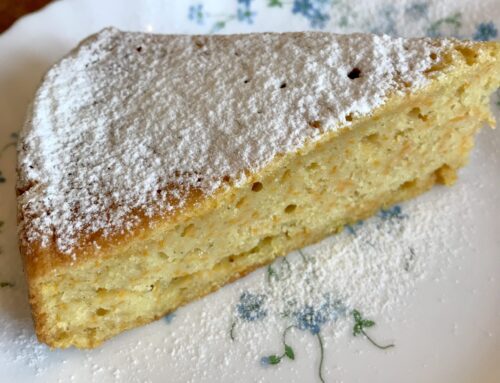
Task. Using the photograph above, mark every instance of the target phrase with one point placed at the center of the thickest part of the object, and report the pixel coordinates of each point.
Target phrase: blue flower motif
(196, 13)
(250, 307)
(245, 2)
(394, 212)
(302, 6)
(265, 361)
(245, 15)
(318, 20)
(311, 319)
(313, 10)
(485, 32)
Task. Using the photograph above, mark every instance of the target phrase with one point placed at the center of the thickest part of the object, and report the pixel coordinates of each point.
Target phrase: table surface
(11, 10)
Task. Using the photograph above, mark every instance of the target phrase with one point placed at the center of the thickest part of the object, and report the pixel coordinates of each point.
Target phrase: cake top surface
(128, 123)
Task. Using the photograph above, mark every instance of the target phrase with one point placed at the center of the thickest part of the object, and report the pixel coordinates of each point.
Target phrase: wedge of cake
(155, 169)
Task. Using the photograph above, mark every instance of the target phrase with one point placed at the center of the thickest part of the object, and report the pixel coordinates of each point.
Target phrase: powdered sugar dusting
(129, 123)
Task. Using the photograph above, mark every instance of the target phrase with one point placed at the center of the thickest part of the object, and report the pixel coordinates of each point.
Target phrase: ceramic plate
(422, 277)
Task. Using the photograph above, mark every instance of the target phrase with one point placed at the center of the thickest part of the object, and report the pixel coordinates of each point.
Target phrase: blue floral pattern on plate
(340, 14)
(310, 318)
(250, 307)
(412, 18)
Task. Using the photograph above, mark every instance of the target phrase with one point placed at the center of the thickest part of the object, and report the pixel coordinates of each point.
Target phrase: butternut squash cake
(155, 169)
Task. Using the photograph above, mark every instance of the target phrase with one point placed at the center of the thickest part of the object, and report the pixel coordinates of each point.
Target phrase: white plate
(428, 275)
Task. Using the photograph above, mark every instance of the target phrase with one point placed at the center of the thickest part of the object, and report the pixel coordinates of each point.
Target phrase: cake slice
(155, 169)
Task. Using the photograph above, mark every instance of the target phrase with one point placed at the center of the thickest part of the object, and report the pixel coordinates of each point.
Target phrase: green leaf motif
(368, 323)
(274, 359)
(357, 315)
(275, 3)
(6, 284)
(357, 329)
(219, 25)
(289, 352)
(359, 323)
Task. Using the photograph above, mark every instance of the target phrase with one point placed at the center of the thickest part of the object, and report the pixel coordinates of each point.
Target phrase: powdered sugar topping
(129, 123)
